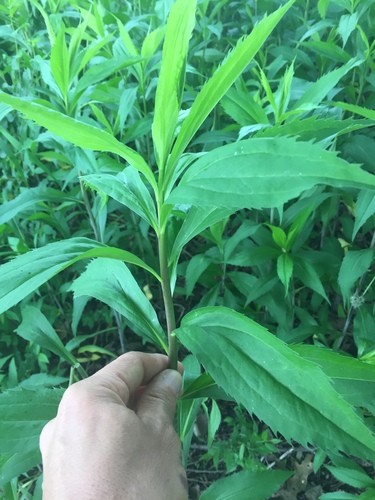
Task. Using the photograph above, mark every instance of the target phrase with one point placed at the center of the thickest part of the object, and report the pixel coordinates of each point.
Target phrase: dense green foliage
(197, 178)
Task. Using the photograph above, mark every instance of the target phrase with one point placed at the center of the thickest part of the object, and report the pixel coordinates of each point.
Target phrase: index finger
(123, 376)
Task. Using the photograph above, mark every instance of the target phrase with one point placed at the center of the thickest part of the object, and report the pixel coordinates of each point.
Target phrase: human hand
(113, 436)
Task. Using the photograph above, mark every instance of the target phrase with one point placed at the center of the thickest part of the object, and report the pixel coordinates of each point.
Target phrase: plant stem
(168, 301)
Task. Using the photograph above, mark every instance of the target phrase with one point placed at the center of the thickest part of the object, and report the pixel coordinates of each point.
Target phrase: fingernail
(173, 380)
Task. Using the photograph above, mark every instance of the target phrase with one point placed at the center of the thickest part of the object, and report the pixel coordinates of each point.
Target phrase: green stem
(168, 301)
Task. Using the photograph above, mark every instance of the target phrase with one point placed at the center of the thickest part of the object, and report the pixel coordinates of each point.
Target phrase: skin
(113, 436)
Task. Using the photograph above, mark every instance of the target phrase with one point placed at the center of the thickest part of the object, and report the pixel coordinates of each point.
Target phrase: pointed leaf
(355, 263)
(128, 189)
(111, 282)
(364, 209)
(78, 133)
(36, 328)
(245, 485)
(224, 77)
(353, 379)
(319, 89)
(273, 382)
(262, 173)
(196, 221)
(180, 25)
(29, 198)
(24, 274)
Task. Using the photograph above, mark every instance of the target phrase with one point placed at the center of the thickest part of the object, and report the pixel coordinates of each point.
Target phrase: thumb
(158, 400)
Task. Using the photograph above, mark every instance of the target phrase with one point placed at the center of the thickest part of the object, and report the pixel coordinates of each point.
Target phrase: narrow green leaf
(354, 264)
(12, 465)
(323, 7)
(36, 328)
(262, 173)
(111, 282)
(196, 221)
(128, 189)
(270, 380)
(285, 269)
(60, 62)
(29, 198)
(78, 133)
(358, 110)
(245, 485)
(204, 387)
(180, 25)
(364, 209)
(307, 273)
(319, 89)
(355, 478)
(24, 274)
(224, 77)
(314, 128)
(347, 25)
(353, 379)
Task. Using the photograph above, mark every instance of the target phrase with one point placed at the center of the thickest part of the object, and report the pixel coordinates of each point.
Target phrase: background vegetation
(303, 268)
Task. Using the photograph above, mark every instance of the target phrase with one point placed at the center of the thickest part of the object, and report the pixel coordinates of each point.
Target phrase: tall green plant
(249, 363)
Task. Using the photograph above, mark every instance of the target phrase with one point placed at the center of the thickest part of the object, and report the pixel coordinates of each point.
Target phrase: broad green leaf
(128, 189)
(179, 28)
(23, 413)
(24, 274)
(78, 133)
(364, 209)
(224, 77)
(261, 372)
(262, 173)
(319, 89)
(29, 198)
(111, 282)
(354, 264)
(246, 485)
(36, 328)
(353, 379)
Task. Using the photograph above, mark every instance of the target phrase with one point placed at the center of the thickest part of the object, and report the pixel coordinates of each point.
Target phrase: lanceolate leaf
(29, 198)
(364, 209)
(319, 89)
(111, 282)
(78, 133)
(180, 25)
(128, 189)
(23, 414)
(222, 80)
(262, 173)
(36, 328)
(292, 395)
(353, 379)
(244, 485)
(354, 264)
(24, 274)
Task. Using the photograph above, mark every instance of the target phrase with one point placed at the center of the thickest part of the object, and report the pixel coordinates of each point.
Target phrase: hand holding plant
(113, 436)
